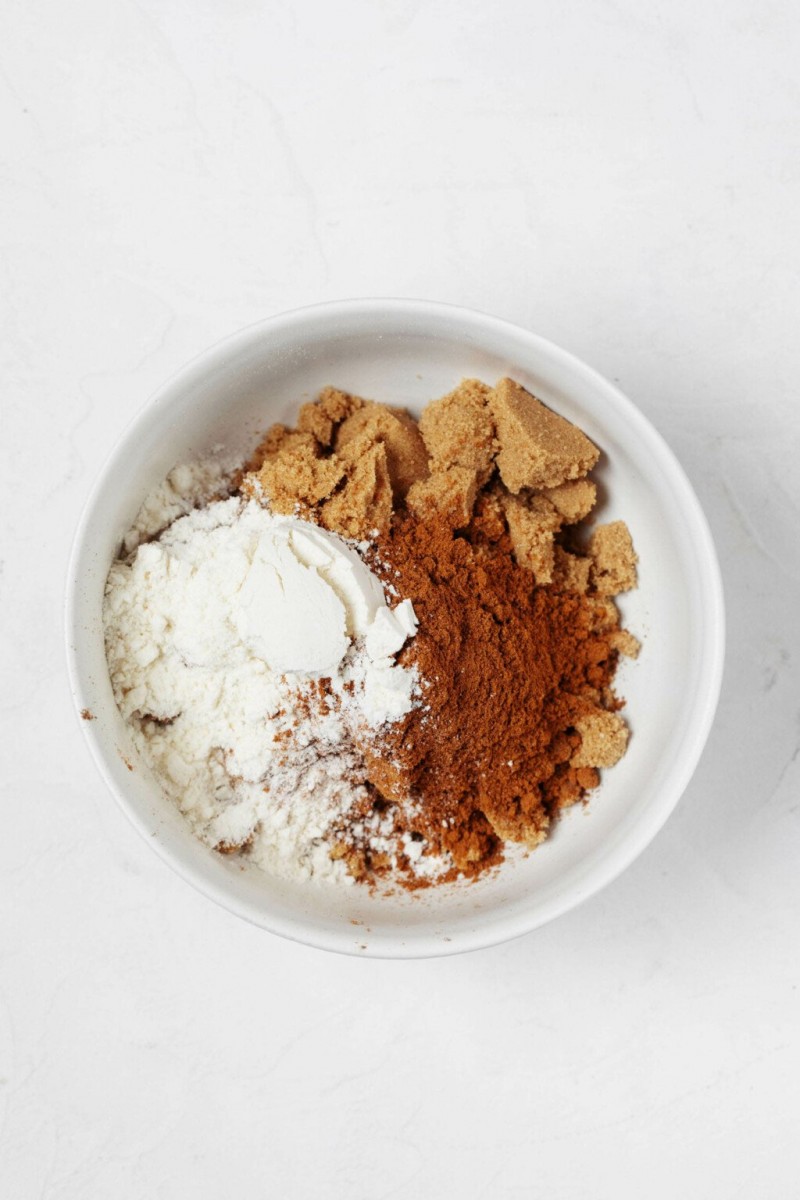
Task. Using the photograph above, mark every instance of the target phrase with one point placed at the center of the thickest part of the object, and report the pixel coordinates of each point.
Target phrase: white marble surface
(620, 176)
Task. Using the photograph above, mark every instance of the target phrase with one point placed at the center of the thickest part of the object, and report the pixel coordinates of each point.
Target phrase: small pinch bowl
(407, 352)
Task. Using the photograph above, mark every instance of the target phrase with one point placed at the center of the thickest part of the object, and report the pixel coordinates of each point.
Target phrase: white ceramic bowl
(406, 353)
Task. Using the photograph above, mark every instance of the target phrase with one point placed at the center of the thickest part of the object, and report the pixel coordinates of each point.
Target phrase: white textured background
(622, 176)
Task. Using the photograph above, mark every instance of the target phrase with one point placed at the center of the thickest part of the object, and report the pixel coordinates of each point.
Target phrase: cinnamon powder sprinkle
(512, 670)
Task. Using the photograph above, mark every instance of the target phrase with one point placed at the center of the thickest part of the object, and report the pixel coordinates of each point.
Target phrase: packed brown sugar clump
(471, 513)
(347, 465)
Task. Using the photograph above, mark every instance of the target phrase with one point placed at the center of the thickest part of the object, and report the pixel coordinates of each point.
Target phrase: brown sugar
(313, 419)
(573, 500)
(338, 405)
(276, 437)
(406, 456)
(538, 448)
(624, 641)
(604, 738)
(448, 493)
(534, 519)
(532, 523)
(613, 559)
(364, 504)
(266, 448)
(294, 474)
(346, 465)
(458, 430)
(571, 573)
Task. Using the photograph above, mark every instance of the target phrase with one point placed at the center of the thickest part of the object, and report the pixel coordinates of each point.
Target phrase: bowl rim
(705, 699)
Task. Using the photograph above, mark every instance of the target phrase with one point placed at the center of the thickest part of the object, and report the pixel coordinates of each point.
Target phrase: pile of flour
(218, 634)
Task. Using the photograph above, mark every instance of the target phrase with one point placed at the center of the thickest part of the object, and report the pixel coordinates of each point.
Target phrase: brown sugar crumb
(406, 456)
(538, 448)
(625, 643)
(524, 820)
(267, 448)
(338, 405)
(86, 715)
(229, 848)
(604, 739)
(570, 572)
(365, 502)
(314, 420)
(532, 523)
(345, 465)
(574, 500)
(458, 430)
(449, 494)
(293, 473)
(613, 559)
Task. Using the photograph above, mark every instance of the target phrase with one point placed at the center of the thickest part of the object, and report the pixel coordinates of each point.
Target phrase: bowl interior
(407, 353)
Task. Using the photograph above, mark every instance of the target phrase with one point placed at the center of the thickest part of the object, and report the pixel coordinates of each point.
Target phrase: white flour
(216, 636)
(186, 487)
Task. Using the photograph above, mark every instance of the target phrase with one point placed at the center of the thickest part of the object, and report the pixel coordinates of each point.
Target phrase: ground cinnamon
(511, 668)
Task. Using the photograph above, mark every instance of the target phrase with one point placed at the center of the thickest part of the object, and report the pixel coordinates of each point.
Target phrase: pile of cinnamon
(478, 514)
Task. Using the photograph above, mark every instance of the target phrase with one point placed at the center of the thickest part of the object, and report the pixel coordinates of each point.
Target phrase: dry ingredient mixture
(382, 649)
